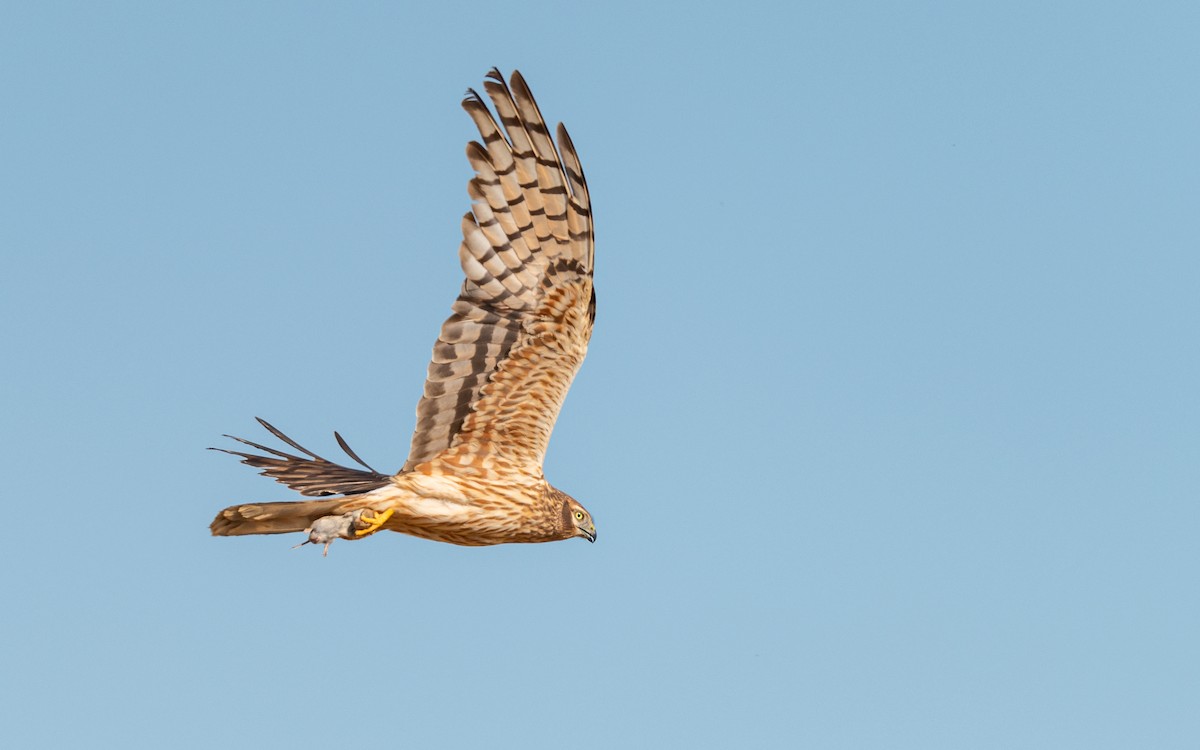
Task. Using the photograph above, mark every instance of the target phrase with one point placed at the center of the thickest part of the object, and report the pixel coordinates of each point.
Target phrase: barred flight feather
(313, 476)
(527, 257)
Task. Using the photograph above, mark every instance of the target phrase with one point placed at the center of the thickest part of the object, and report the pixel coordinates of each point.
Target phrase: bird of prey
(501, 366)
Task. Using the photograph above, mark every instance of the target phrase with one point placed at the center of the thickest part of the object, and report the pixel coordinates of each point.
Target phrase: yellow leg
(376, 521)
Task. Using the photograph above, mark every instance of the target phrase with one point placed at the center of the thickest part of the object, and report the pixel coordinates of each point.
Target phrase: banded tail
(275, 518)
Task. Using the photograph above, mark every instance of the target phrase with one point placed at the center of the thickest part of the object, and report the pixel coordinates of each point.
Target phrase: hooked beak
(589, 534)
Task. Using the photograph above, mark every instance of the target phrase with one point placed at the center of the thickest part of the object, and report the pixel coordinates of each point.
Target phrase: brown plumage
(500, 370)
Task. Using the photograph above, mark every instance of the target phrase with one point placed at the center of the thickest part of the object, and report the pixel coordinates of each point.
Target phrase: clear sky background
(889, 423)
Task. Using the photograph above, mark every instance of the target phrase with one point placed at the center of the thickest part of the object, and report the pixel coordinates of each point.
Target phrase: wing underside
(310, 474)
(505, 358)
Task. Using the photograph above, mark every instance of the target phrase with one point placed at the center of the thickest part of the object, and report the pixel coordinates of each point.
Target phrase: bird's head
(576, 521)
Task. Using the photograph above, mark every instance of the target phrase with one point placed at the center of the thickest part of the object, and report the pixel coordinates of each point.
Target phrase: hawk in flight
(501, 366)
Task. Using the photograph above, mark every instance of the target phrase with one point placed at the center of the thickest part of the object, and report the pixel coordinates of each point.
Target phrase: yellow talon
(376, 521)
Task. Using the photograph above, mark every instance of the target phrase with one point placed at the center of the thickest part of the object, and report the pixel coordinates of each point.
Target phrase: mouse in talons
(327, 528)
(355, 524)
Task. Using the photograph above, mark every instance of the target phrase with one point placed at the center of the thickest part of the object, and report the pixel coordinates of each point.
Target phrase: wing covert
(519, 329)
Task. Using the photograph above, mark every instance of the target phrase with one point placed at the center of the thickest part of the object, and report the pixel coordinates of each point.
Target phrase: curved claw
(374, 521)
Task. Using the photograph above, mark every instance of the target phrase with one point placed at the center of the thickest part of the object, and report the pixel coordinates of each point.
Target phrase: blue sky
(889, 423)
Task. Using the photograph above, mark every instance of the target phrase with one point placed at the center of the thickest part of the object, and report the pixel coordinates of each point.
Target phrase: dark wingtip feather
(314, 476)
(274, 431)
(350, 451)
(472, 96)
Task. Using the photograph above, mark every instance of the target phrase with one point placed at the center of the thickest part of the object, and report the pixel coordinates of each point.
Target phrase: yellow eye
(578, 516)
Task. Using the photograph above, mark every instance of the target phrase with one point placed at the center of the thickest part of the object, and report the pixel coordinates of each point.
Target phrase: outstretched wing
(313, 476)
(506, 357)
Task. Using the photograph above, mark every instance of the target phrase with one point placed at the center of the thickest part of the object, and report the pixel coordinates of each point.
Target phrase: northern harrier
(501, 366)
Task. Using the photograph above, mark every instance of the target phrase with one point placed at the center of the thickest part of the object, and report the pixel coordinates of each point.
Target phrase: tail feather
(308, 474)
(274, 518)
